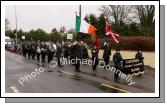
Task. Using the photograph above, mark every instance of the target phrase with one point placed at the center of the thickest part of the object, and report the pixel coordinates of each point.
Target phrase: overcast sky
(46, 17)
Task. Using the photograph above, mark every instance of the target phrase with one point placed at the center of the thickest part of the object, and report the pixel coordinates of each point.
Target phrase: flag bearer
(106, 54)
(78, 55)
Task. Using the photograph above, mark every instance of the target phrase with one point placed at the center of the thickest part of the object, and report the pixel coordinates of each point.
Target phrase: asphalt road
(23, 75)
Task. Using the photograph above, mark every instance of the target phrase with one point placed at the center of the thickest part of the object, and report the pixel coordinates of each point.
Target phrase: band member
(29, 49)
(85, 51)
(50, 51)
(24, 47)
(106, 54)
(33, 50)
(69, 49)
(72, 52)
(117, 59)
(43, 51)
(38, 51)
(95, 59)
(59, 54)
(66, 50)
(78, 55)
(140, 57)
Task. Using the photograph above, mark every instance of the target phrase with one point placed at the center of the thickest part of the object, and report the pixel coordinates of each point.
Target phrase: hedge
(130, 43)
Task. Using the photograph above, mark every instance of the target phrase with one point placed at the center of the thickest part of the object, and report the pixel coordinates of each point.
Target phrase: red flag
(110, 34)
(96, 40)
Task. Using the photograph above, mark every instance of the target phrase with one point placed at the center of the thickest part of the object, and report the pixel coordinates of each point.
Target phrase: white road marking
(15, 89)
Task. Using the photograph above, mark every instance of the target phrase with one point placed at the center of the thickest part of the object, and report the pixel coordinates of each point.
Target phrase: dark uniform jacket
(59, 51)
(139, 56)
(78, 52)
(43, 48)
(85, 53)
(94, 53)
(66, 50)
(117, 58)
(107, 51)
(33, 46)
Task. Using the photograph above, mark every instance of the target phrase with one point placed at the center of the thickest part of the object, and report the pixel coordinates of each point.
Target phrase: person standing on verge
(117, 59)
(139, 56)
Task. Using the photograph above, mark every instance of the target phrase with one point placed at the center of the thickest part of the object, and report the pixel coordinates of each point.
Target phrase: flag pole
(107, 22)
(76, 31)
(79, 15)
(80, 10)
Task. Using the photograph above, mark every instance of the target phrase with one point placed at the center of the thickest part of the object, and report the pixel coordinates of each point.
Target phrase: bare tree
(120, 13)
(62, 29)
(54, 30)
(146, 16)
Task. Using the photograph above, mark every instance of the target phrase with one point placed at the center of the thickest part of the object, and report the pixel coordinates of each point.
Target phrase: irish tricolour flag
(84, 27)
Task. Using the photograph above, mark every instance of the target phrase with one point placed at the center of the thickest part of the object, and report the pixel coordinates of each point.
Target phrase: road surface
(21, 76)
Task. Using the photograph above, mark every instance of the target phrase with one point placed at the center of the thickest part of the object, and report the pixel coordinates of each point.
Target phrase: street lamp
(16, 24)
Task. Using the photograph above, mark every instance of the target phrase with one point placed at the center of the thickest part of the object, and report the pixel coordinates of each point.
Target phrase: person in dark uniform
(85, 51)
(43, 51)
(106, 54)
(78, 55)
(66, 50)
(29, 49)
(117, 59)
(69, 49)
(50, 51)
(59, 53)
(140, 57)
(33, 49)
(95, 59)
(24, 48)
(38, 50)
(72, 52)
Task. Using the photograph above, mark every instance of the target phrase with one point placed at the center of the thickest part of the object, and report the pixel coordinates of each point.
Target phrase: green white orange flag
(84, 27)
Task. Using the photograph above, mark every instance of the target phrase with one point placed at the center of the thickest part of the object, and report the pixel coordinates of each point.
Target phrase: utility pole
(16, 23)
